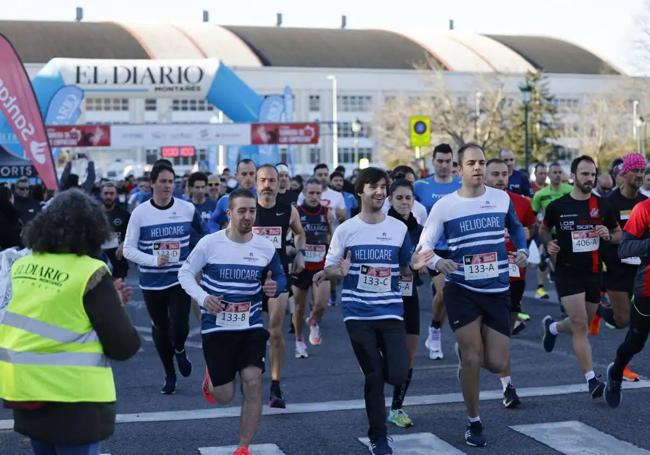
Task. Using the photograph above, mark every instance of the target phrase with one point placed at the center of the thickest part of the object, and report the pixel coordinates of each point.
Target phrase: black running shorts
(619, 277)
(465, 306)
(303, 280)
(571, 281)
(517, 289)
(231, 351)
(412, 313)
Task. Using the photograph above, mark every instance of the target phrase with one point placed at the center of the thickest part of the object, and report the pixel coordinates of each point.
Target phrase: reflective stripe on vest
(46, 330)
(71, 359)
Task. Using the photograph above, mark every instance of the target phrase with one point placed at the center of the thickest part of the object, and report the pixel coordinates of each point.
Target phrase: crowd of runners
(247, 249)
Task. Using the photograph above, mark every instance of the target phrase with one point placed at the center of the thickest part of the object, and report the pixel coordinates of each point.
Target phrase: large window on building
(107, 104)
(150, 104)
(191, 105)
(314, 103)
(346, 154)
(354, 103)
(314, 155)
(345, 129)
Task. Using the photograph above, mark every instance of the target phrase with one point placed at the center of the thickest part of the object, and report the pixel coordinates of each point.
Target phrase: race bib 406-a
(585, 241)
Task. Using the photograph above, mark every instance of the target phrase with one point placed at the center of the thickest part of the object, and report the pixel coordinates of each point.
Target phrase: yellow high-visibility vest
(49, 350)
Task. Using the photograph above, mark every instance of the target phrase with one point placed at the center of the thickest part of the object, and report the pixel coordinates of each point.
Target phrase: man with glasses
(27, 207)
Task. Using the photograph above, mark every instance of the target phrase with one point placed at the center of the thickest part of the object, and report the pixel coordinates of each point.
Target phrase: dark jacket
(27, 208)
(86, 423)
(11, 226)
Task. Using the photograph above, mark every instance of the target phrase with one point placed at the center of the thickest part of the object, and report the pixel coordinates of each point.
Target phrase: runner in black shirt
(119, 220)
(580, 220)
(273, 220)
(285, 193)
(619, 274)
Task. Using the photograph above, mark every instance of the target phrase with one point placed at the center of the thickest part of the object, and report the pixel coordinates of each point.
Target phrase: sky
(604, 27)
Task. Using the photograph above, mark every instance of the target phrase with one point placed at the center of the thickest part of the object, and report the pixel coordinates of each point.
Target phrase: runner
(198, 185)
(273, 221)
(497, 177)
(619, 274)
(118, 218)
(369, 252)
(237, 268)
(476, 295)
(245, 176)
(401, 201)
(604, 185)
(580, 220)
(406, 172)
(429, 191)
(645, 189)
(317, 224)
(518, 182)
(285, 193)
(351, 204)
(215, 185)
(158, 240)
(541, 174)
(542, 198)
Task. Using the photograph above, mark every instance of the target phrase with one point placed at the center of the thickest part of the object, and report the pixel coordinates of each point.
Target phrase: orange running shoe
(594, 327)
(629, 375)
(205, 388)
(242, 451)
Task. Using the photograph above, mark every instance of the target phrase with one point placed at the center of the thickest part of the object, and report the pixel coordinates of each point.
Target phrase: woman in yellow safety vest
(64, 321)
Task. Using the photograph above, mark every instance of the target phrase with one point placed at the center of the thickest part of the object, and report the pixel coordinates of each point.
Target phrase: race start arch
(62, 84)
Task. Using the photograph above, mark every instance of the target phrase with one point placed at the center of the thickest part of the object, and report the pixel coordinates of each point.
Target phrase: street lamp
(356, 129)
(526, 91)
(335, 127)
(477, 113)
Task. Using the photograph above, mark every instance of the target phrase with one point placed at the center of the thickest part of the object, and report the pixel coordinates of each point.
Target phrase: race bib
(631, 261)
(234, 315)
(314, 253)
(374, 279)
(480, 266)
(272, 233)
(169, 248)
(406, 286)
(513, 269)
(585, 241)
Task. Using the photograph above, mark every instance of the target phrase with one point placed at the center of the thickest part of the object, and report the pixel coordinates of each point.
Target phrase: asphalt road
(325, 412)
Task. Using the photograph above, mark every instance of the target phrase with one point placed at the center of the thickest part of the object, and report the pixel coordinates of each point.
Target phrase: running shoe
(184, 364)
(541, 293)
(518, 326)
(399, 418)
(548, 340)
(242, 451)
(474, 434)
(459, 370)
(629, 375)
(170, 386)
(276, 400)
(510, 398)
(594, 325)
(613, 394)
(596, 387)
(301, 350)
(332, 300)
(314, 334)
(434, 343)
(205, 388)
(381, 446)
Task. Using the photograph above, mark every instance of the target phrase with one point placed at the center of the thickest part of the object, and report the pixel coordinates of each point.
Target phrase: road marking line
(573, 438)
(345, 405)
(418, 444)
(257, 449)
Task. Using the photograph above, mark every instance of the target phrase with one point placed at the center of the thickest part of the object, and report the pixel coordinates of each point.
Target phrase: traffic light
(420, 131)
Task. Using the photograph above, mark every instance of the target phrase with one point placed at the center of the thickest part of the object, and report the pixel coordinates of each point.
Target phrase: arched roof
(39, 42)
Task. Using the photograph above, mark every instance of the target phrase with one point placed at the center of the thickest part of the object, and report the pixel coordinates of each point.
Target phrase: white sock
(474, 419)
(553, 328)
(589, 375)
(505, 381)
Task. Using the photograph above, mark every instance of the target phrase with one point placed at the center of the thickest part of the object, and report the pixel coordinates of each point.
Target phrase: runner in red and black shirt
(636, 243)
(581, 221)
(497, 177)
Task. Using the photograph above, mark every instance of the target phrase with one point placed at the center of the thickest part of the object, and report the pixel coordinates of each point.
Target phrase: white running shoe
(433, 343)
(314, 334)
(301, 350)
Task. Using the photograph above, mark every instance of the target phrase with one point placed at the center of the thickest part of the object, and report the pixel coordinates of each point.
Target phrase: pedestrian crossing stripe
(417, 444)
(257, 449)
(574, 438)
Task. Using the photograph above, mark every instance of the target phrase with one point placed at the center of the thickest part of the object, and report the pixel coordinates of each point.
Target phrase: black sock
(607, 314)
(399, 392)
(435, 324)
(275, 386)
(540, 286)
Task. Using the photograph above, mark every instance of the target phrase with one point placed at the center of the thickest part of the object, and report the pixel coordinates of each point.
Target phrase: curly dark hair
(71, 223)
